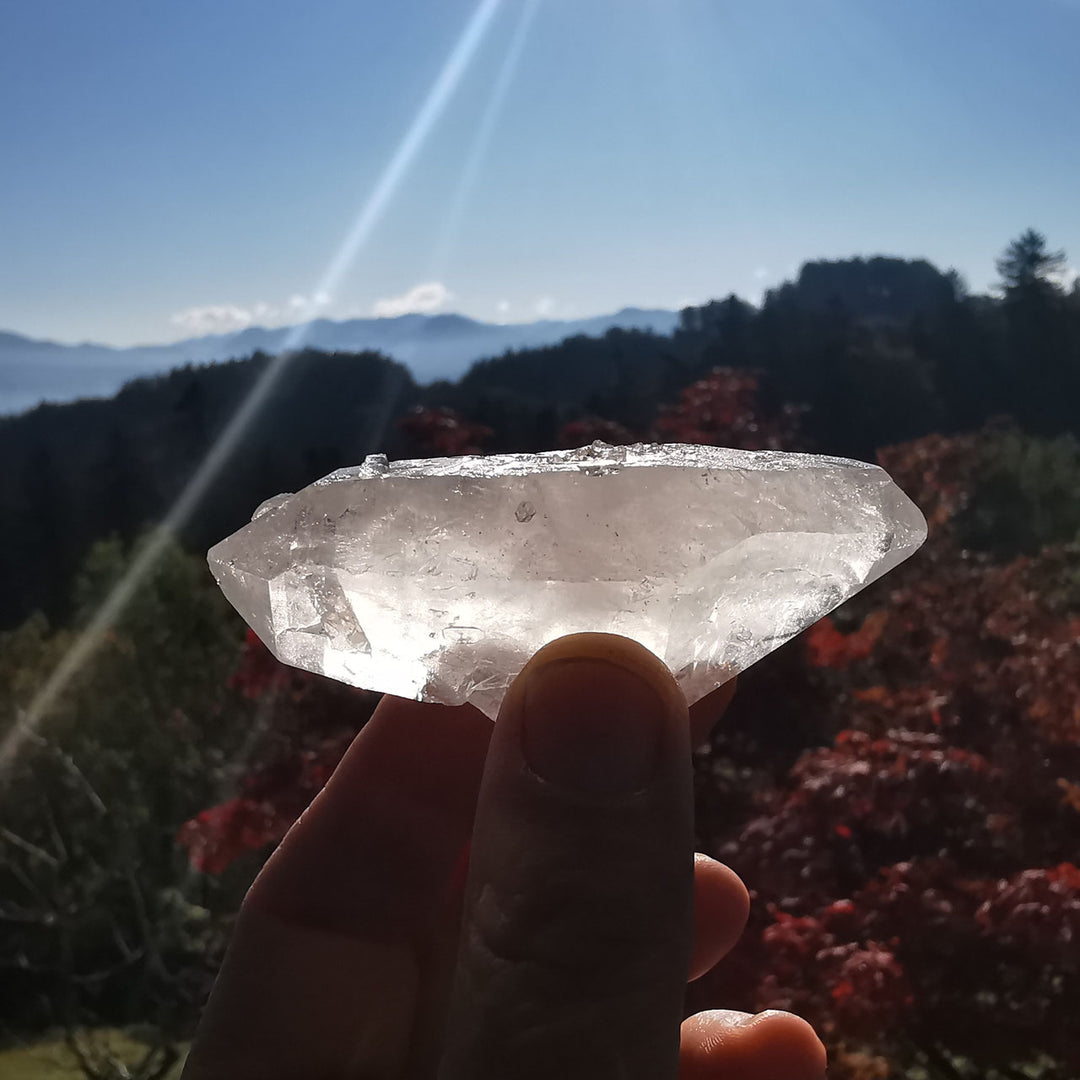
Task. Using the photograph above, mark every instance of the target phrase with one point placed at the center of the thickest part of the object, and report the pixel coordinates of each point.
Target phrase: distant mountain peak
(433, 346)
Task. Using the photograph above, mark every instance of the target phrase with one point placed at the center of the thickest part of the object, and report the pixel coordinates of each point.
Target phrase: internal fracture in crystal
(438, 579)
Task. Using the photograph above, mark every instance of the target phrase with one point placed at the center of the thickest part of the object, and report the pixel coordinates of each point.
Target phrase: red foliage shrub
(828, 647)
(216, 837)
(259, 673)
(273, 798)
(936, 473)
(723, 409)
(1038, 911)
(309, 724)
(915, 882)
(442, 432)
(589, 429)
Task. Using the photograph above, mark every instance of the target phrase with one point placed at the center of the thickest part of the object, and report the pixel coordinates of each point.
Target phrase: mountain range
(433, 347)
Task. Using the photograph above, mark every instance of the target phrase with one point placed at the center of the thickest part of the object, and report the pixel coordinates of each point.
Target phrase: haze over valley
(432, 347)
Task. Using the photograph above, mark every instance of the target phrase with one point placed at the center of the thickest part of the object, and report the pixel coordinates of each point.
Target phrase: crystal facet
(438, 579)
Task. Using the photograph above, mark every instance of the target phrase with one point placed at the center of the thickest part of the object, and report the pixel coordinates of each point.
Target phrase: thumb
(577, 932)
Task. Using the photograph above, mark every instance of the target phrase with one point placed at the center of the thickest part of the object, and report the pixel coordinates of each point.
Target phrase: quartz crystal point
(438, 579)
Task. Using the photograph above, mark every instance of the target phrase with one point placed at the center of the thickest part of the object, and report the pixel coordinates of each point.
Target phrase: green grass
(50, 1059)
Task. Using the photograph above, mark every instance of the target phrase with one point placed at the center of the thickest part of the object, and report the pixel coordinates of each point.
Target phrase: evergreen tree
(1026, 266)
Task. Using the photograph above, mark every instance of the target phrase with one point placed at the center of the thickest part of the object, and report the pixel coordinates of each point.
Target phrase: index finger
(323, 975)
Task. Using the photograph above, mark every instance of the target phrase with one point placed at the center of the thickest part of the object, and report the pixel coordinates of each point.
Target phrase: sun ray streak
(432, 108)
(478, 151)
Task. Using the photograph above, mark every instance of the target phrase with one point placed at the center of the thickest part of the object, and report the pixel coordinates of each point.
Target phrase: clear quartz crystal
(438, 579)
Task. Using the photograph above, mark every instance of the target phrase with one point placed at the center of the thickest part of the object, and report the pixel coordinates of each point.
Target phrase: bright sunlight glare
(478, 151)
(432, 108)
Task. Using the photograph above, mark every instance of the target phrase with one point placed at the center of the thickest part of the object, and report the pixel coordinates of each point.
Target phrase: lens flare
(478, 151)
(372, 211)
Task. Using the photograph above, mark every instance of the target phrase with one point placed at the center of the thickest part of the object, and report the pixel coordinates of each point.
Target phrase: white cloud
(212, 319)
(425, 298)
(503, 307)
(545, 306)
(229, 318)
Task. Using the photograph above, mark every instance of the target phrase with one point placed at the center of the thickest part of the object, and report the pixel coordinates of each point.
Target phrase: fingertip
(767, 1046)
(789, 1043)
(721, 910)
(717, 880)
(704, 1035)
(596, 715)
(614, 649)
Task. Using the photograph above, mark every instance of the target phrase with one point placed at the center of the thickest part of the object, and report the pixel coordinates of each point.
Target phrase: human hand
(583, 915)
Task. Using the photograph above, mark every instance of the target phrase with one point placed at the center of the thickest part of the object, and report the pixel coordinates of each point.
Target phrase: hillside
(866, 352)
(430, 346)
(77, 472)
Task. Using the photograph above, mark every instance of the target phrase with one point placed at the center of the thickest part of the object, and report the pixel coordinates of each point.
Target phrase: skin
(466, 901)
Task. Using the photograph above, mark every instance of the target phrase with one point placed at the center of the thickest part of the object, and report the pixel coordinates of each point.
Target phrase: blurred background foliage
(900, 786)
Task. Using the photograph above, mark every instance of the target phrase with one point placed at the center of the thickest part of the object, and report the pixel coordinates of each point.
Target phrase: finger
(706, 713)
(769, 1046)
(576, 938)
(721, 908)
(375, 851)
(324, 971)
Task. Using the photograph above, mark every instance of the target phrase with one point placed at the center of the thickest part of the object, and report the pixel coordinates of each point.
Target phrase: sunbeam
(432, 108)
(482, 139)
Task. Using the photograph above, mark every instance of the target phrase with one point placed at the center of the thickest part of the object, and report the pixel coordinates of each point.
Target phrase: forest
(899, 786)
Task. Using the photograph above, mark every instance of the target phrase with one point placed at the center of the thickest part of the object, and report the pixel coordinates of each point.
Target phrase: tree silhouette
(1041, 337)
(1027, 265)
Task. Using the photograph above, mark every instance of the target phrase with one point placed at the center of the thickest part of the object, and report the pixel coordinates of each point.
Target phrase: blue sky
(173, 168)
